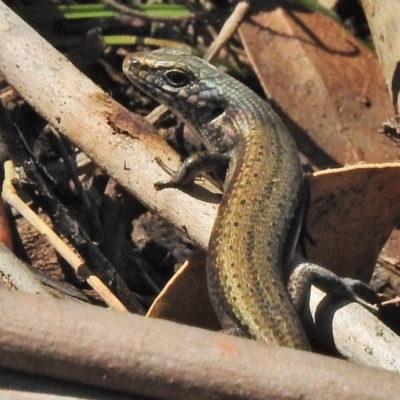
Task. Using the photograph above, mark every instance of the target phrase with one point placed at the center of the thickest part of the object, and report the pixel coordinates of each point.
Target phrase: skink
(259, 218)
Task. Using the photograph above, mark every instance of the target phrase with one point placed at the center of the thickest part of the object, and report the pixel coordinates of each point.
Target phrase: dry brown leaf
(352, 213)
(329, 86)
(185, 297)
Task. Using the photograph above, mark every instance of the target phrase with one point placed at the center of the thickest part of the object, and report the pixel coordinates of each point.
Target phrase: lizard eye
(176, 78)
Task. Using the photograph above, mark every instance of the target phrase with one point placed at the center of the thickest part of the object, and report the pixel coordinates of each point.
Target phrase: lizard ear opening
(176, 78)
(216, 112)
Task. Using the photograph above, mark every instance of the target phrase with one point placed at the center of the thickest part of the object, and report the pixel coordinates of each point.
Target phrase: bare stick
(133, 354)
(11, 197)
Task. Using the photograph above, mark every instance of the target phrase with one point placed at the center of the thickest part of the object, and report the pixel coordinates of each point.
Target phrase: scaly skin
(258, 220)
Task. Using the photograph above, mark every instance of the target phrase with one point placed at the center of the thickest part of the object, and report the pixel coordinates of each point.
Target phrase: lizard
(260, 216)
